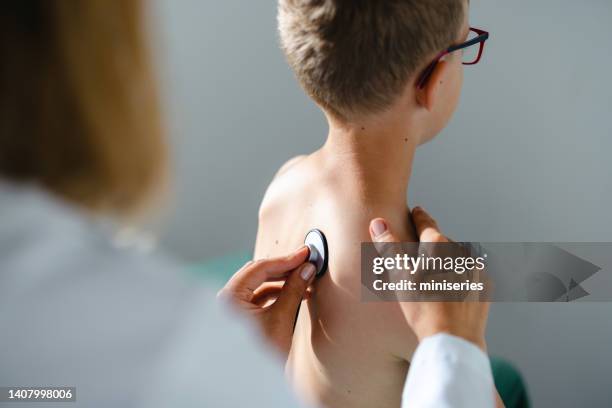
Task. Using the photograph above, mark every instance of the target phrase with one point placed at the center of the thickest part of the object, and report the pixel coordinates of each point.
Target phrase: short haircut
(79, 110)
(356, 56)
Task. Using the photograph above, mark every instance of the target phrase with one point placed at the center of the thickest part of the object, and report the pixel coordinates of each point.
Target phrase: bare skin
(344, 353)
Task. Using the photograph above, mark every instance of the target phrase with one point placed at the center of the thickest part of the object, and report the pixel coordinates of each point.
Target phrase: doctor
(82, 152)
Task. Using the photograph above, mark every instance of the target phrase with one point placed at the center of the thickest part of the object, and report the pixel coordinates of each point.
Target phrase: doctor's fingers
(426, 227)
(294, 290)
(269, 292)
(383, 238)
(254, 273)
(388, 246)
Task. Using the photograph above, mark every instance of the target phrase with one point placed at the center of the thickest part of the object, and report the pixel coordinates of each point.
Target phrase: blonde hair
(79, 110)
(355, 56)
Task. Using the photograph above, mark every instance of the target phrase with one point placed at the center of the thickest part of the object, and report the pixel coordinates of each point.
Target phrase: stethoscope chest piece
(317, 244)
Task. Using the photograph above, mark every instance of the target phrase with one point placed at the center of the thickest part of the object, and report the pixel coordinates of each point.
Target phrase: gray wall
(525, 159)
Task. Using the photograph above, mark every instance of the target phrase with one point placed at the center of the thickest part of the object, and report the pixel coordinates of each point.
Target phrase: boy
(369, 65)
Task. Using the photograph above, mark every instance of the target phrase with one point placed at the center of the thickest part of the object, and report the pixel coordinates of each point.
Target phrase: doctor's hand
(465, 319)
(270, 291)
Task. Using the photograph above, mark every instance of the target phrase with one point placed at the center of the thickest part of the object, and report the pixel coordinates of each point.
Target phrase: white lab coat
(449, 372)
(125, 328)
(126, 331)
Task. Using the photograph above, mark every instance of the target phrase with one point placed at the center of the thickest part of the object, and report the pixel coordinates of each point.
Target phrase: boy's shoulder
(284, 185)
(289, 164)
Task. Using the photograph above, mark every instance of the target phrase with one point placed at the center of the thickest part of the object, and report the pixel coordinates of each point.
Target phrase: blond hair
(355, 56)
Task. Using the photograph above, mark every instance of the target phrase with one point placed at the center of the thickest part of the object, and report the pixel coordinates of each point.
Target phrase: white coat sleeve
(447, 371)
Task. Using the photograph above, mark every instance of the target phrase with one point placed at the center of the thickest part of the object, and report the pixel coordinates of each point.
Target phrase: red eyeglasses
(470, 55)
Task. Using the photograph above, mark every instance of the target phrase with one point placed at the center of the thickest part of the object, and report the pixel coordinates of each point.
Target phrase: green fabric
(509, 384)
(508, 380)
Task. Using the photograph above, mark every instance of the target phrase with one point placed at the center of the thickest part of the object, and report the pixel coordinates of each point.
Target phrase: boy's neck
(377, 153)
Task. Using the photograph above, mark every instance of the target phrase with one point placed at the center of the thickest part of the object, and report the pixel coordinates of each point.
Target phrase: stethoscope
(318, 254)
(317, 245)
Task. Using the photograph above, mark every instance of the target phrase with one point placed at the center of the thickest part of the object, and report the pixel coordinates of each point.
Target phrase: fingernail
(379, 227)
(417, 208)
(307, 271)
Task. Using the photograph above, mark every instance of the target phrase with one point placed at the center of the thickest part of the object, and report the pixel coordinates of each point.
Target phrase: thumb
(384, 242)
(379, 231)
(382, 237)
(294, 290)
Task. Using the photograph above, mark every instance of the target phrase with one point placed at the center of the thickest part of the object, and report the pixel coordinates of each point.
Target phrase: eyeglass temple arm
(430, 68)
(482, 37)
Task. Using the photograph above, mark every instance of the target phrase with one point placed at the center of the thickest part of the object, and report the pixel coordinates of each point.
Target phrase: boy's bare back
(345, 353)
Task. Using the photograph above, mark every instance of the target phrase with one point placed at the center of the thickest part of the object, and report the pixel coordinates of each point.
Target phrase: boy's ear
(427, 96)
